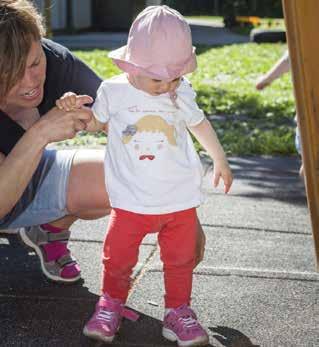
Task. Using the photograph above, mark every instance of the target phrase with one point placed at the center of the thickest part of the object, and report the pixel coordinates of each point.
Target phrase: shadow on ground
(270, 178)
(37, 312)
(274, 178)
(230, 337)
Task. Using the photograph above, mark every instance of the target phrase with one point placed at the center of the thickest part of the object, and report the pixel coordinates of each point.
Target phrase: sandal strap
(66, 259)
(63, 235)
(130, 314)
(47, 237)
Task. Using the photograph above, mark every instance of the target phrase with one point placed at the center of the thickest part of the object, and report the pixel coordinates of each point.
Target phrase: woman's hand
(58, 125)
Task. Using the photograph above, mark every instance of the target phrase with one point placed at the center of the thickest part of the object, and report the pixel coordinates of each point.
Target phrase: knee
(119, 267)
(178, 260)
(86, 185)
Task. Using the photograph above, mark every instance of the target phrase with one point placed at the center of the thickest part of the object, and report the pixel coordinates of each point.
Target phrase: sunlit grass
(264, 23)
(253, 122)
(215, 19)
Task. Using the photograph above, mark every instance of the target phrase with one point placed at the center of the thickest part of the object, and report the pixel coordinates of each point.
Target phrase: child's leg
(126, 231)
(178, 242)
(298, 148)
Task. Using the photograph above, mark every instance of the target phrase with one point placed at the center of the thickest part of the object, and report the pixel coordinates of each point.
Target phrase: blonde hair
(153, 124)
(20, 24)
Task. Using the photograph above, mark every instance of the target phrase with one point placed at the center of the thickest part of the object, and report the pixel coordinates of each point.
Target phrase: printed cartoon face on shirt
(148, 144)
(149, 137)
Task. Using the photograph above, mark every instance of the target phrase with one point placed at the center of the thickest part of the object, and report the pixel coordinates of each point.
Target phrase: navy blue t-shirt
(64, 73)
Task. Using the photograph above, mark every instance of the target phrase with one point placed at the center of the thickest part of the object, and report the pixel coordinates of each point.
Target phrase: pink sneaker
(107, 318)
(181, 325)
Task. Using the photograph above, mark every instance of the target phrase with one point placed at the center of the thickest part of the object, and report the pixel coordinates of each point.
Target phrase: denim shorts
(45, 197)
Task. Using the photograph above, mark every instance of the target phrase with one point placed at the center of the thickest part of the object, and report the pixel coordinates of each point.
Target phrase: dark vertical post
(47, 16)
(69, 17)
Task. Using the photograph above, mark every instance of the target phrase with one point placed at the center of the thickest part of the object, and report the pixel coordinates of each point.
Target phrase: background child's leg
(298, 146)
(178, 241)
(125, 233)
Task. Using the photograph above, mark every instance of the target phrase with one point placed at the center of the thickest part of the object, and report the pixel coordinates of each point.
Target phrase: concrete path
(203, 33)
(257, 285)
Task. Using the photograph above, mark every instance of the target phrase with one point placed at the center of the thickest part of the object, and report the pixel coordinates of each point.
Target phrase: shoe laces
(105, 316)
(186, 318)
(188, 322)
(114, 308)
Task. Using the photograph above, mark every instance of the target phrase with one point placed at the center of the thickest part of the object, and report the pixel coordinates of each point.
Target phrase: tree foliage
(262, 8)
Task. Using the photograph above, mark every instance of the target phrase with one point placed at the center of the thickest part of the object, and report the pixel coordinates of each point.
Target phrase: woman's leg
(86, 193)
(86, 196)
(79, 191)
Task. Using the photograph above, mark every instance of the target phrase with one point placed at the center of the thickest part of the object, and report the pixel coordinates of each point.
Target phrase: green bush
(261, 8)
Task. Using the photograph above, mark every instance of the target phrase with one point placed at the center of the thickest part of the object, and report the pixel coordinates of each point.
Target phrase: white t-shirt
(151, 166)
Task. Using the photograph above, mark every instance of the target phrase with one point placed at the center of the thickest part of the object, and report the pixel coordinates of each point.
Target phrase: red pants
(177, 240)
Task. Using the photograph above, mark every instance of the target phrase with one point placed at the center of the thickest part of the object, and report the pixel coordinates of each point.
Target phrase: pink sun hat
(159, 45)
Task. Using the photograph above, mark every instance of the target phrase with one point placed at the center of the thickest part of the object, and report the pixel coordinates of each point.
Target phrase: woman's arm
(17, 168)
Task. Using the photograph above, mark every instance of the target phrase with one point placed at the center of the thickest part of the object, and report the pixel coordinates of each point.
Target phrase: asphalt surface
(257, 285)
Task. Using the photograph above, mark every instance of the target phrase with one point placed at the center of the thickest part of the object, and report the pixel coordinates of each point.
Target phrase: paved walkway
(257, 285)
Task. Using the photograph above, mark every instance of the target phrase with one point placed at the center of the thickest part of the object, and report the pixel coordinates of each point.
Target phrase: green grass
(225, 85)
(215, 19)
(256, 122)
(275, 23)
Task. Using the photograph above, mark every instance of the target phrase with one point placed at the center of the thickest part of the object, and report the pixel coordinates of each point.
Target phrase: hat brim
(119, 58)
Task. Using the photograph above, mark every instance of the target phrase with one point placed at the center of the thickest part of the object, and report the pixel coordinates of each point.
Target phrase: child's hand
(70, 101)
(222, 170)
(262, 82)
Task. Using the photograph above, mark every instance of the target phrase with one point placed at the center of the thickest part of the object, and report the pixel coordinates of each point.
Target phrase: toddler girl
(153, 173)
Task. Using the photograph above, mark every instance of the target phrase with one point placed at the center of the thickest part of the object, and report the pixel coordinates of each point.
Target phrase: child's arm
(207, 137)
(282, 66)
(70, 101)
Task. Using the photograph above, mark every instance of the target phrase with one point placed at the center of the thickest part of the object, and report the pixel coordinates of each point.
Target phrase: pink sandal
(57, 263)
